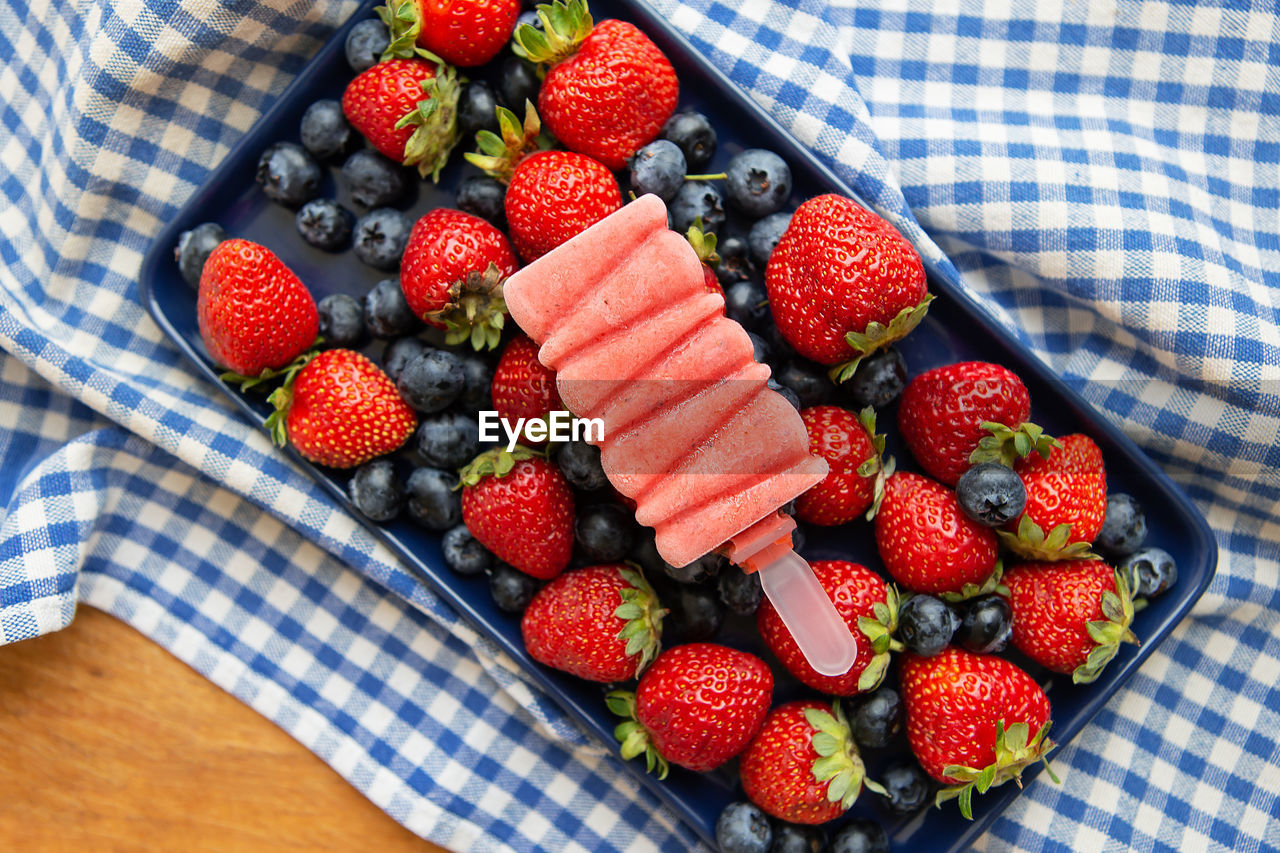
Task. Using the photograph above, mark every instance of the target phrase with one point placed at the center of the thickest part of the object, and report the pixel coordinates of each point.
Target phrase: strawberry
(696, 706)
(961, 414)
(253, 312)
(452, 273)
(1070, 616)
(704, 243)
(928, 544)
(1066, 502)
(803, 766)
(843, 283)
(519, 506)
(856, 471)
(973, 721)
(339, 409)
(407, 109)
(607, 88)
(602, 623)
(868, 606)
(522, 387)
(461, 32)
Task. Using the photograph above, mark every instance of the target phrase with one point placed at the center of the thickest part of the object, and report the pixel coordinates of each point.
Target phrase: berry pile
(993, 538)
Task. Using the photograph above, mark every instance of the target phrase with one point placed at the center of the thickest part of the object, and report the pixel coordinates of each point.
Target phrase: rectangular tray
(957, 329)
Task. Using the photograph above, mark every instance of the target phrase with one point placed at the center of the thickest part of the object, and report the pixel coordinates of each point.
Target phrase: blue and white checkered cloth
(1105, 176)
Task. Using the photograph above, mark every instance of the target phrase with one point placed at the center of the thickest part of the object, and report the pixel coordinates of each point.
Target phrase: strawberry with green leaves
(518, 505)
(407, 108)
(696, 706)
(602, 623)
(704, 244)
(465, 33)
(522, 386)
(1066, 502)
(856, 467)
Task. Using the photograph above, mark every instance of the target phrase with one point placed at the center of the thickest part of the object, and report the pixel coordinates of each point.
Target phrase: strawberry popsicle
(692, 433)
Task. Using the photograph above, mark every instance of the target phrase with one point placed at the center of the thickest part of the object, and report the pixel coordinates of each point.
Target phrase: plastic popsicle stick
(819, 631)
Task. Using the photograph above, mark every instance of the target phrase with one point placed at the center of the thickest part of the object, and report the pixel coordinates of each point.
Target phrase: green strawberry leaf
(643, 617)
(435, 123)
(1007, 445)
(1015, 750)
(877, 336)
(476, 310)
(631, 733)
(565, 24)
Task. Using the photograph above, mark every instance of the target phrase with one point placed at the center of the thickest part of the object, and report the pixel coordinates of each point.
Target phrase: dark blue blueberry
(463, 553)
(519, 82)
(373, 180)
(782, 350)
(791, 396)
(447, 439)
(376, 490)
(510, 588)
(400, 352)
(697, 200)
(477, 110)
(194, 247)
(878, 719)
(580, 464)
(380, 237)
(860, 836)
(986, 622)
(747, 303)
(735, 261)
(288, 174)
(878, 381)
(695, 136)
(387, 313)
(432, 381)
(740, 591)
(696, 614)
(765, 234)
(605, 531)
(341, 321)
(1151, 571)
(808, 380)
(324, 223)
(907, 788)
(658, 168)
(477, 375)
(743, 827)
(700, 570)
(925, 625)
(645, 554)
(991, 494)
(760, 348)
(1124, 529)
(325, 131)
(365, 43)
(757, 182)
(433, 502)
(483, 196)
(797, 838)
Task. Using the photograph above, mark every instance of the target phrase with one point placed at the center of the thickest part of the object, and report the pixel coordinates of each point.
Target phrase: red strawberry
(696, 706)
(1070, 616)
(803, 766)
(461, 32)
(339, 409)
(973, 721)
(253, 312)
(961, 414)
(868, 607)
(520, 507)
(843, 283)
(928, 544)
(1066, 501)
(608, 89)
(601, 623)
(452, 273)
(522, 387)
(856, 471)
(407, 109)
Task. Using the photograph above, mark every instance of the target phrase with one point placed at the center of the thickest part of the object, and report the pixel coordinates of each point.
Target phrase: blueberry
(400, 352)
(765, 234)
(288, 174)
(376, 490)
(740, 591)
(387, 313)
(658, 168)
(735, 261)
(341, 321)
(644, 553)
(477, 110)
(743, 827)
(510, 588)
(477, 375)
(604, 531)
(1151, 571)
(519, 82)
(860, 836)
(991, 494)
(580, 464)
(697, 200)
(695, 136)
(747, 303)
(433, 503)
(782, 350)
(194, 247)
(373, 180)
(878, 381)
(808, 380)
(925, 625)
(797, 838)
(696, 614)
(907, 788)
(324, 223)
(463, 553)
(986, 622)
(878, 718)
(365, 43)
(447, 439)
(1124, 529)
(757, 182)
(432, 381)
(702, 569)
(380, 237)
(483, 196)
(760, 348)
(790, 395)
(325, 131)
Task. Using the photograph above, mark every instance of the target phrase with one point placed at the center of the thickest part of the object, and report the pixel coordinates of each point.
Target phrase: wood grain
(109, 743)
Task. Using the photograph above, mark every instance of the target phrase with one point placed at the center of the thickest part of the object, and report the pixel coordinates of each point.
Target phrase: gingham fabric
(1105, 176)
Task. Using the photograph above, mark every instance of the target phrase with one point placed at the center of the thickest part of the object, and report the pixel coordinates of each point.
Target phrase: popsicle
(692, 433)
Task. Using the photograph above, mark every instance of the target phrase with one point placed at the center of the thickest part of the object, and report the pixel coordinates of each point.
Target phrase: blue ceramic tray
(957, 329)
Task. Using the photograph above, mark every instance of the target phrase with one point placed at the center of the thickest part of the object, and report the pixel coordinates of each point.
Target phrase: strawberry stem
(498, 462)
(877, 336)
(476, 310)
(498, 155)
(1013, 753)
(643, 616)
(632, 734)
(565, 25)
(839, 764)
(404, 24)
(435, 120)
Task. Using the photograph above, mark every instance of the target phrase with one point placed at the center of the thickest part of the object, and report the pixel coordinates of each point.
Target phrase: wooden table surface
(111, 744)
